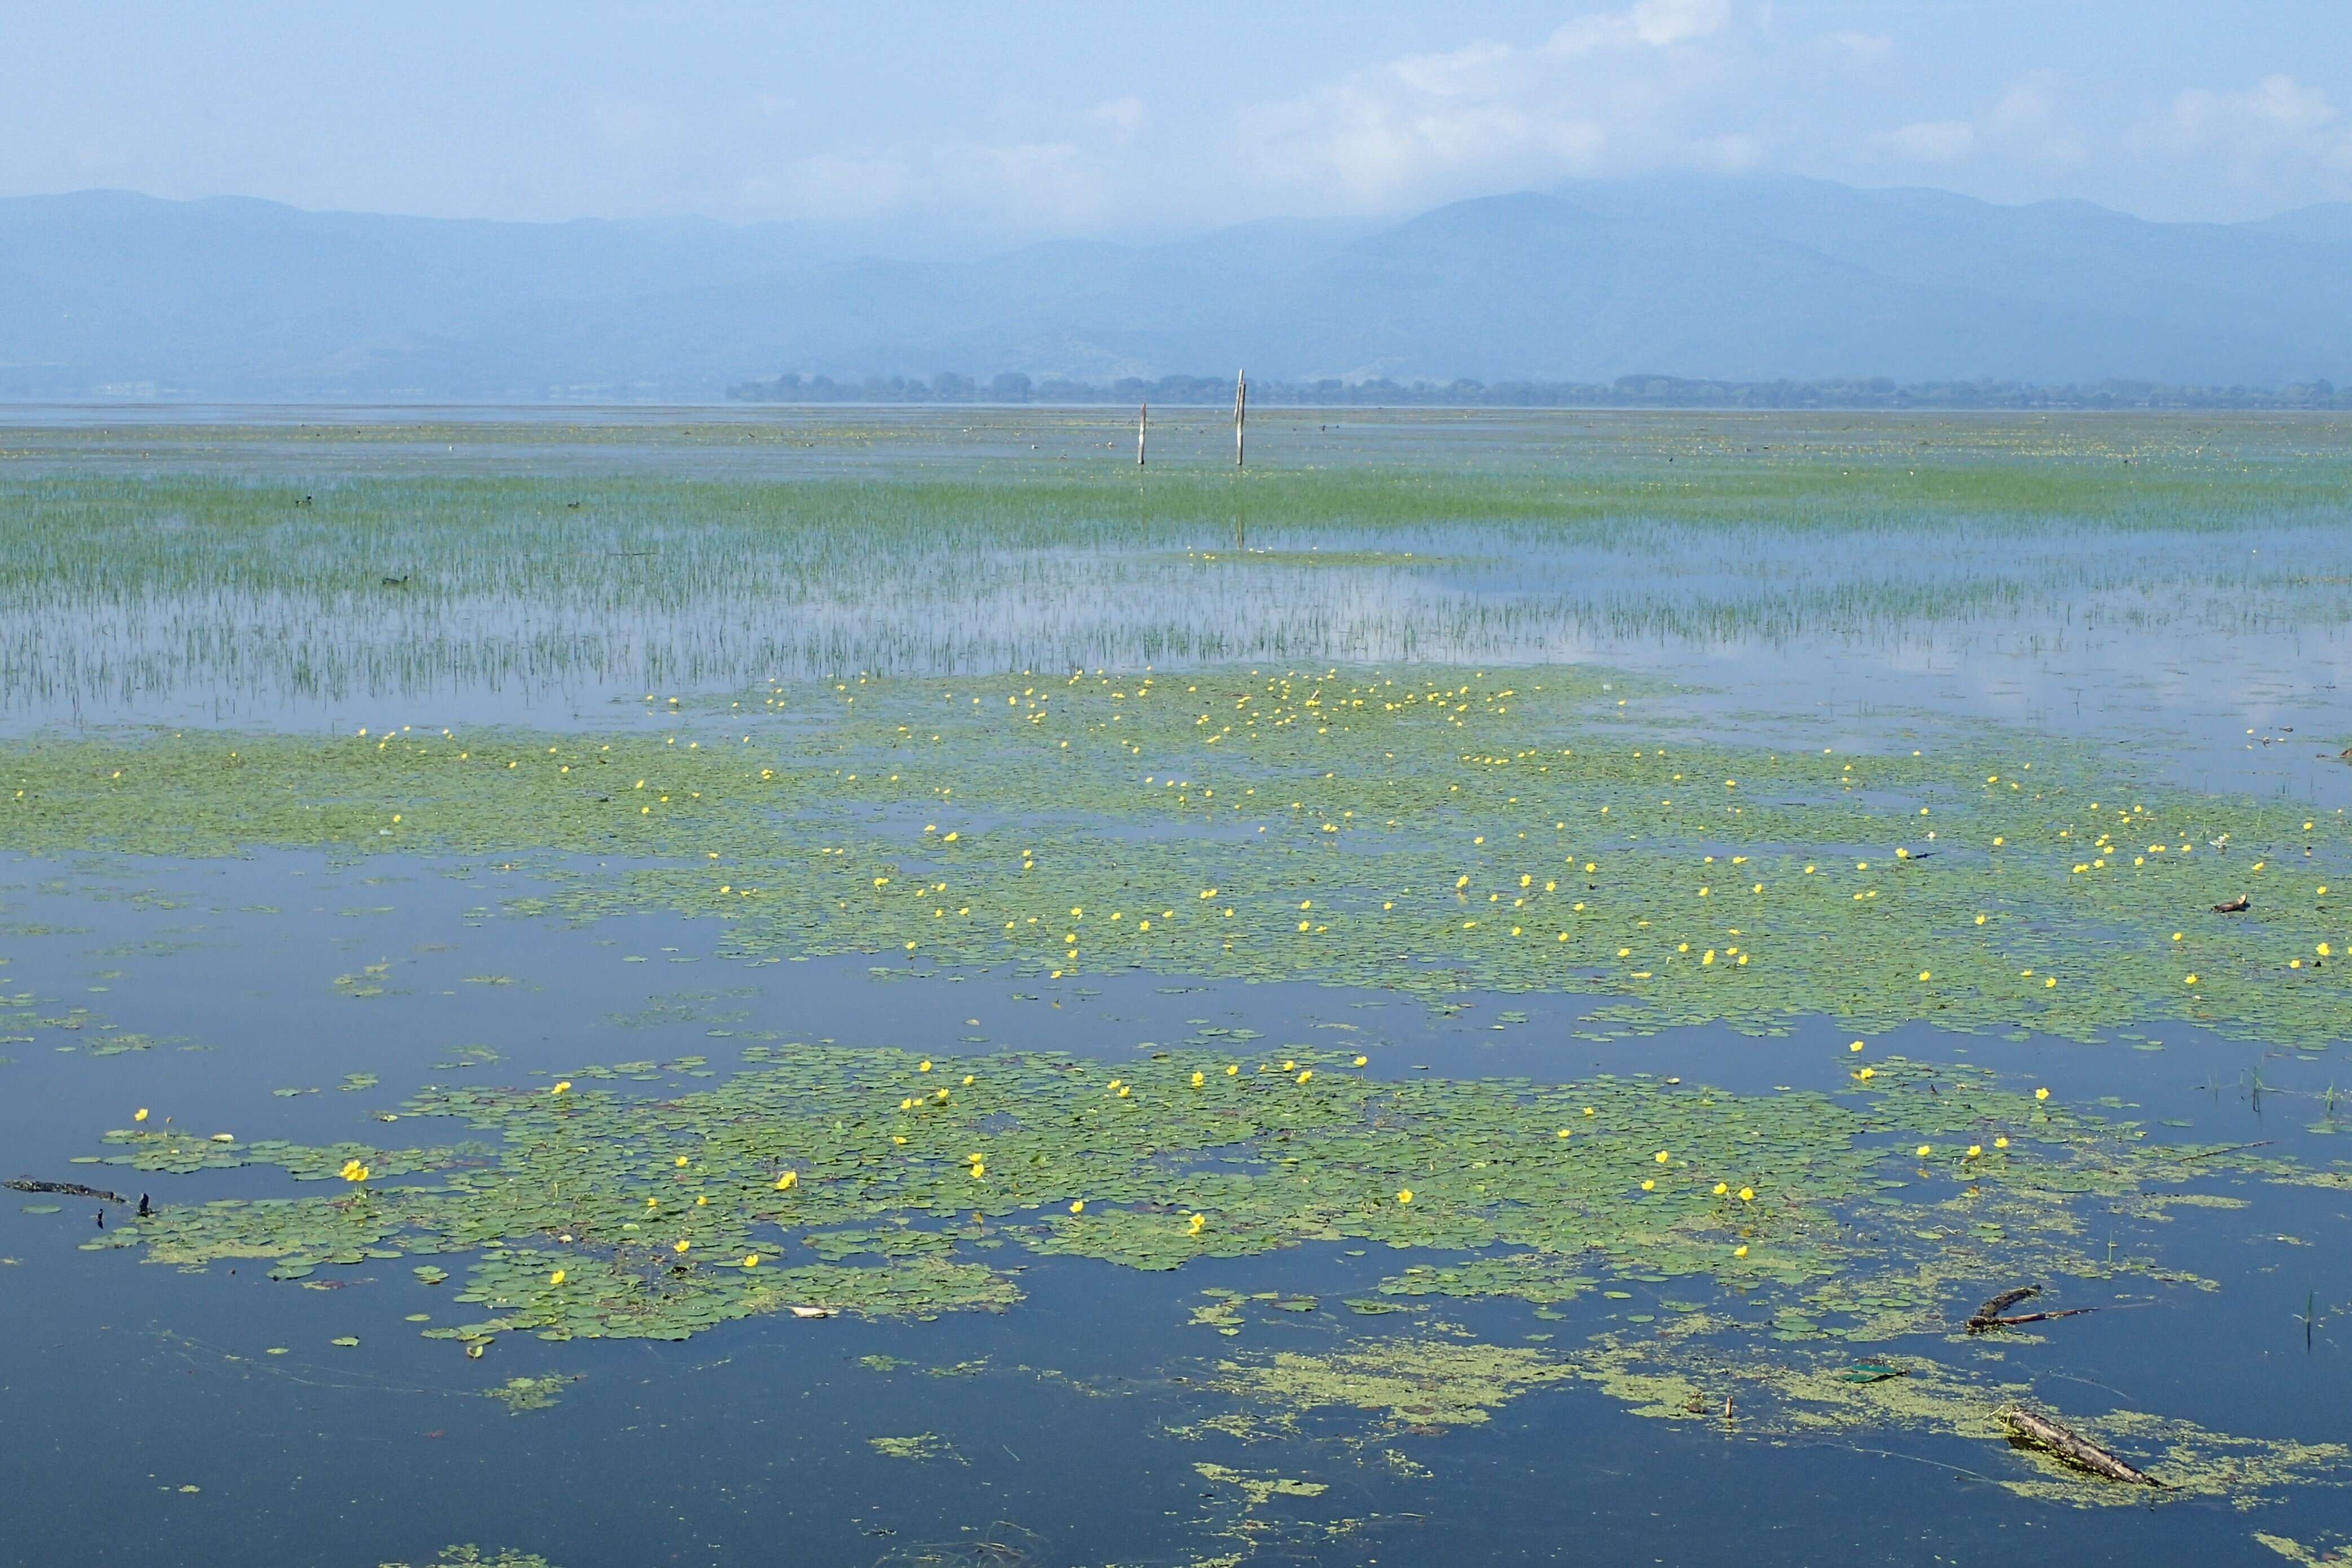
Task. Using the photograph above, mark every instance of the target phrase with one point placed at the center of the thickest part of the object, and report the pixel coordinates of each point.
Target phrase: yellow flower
(1405, 1196)
(1855, 1046)
(1974, 1150)
(1305, 1073)
(1194, 1224)
(556, 1278)
(788, 1181)
(1563, 1132)
(750, 1259)
(1740, 1251)
(1721, 1187)
(702, 1201)
(2188, 979)
(1078, 1206)
(2041, 1093)
(967, 1080)
(681, 1161)
(1925, 976)
(681, 1245)
(1588, 1111)
(923, 1067)
(1231, 1069)
(140, 1115)
(2001, 1142)
(354, 1171)
(1662, 1157)
(1867, 1073)
(1748, 1195)
(563, 1088)
(1649, 1185)
(1199, 1078)
(1922, 1150)
(1362, 1061)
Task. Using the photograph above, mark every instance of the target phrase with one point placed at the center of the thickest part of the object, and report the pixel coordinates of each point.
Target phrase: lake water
(2153, 605)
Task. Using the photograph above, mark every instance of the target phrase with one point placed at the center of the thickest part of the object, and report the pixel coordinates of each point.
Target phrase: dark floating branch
(63, 1190)
(2237, 906)
(1994, 1313)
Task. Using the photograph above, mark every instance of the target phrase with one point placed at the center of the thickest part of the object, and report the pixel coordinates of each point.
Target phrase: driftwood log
(63, 1190)
(2042, 1432)
(2237, 906)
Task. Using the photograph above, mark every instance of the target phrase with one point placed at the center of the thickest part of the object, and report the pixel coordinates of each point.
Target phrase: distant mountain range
(108, 294)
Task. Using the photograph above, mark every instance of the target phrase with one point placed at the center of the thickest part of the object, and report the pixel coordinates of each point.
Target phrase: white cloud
(1611, 91)
(1124, 115)
(2278, 120)
(1930, 141)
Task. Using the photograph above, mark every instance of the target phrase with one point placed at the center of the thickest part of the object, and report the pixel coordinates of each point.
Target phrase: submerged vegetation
(1346, 719)
(1520, 831)
(210, 570)
(832, 1179)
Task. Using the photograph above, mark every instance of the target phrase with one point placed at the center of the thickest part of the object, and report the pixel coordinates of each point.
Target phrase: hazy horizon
(937, 130)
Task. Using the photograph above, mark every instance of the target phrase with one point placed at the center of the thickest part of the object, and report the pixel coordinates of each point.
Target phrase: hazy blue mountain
(103, 292)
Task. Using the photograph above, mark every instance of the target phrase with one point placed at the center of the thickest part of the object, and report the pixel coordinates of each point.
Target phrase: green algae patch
(827, 1179)
(475, 1557)
(920, 1446)
(1406, 1383)
(523, 1394)
(2328, 1550)
(1692, 1374)
(1259, 1488)
(1448, 829)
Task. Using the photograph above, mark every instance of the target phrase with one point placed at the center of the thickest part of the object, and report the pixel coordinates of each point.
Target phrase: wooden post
(1240, 413)
(1142, 419)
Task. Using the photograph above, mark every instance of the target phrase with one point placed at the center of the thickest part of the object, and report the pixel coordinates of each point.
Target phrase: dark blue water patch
(751, 1441)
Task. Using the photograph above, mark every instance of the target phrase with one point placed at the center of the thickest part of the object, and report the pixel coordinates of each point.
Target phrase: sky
(944, 123)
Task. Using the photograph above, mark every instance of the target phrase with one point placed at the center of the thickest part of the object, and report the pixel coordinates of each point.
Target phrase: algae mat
(1520, 831)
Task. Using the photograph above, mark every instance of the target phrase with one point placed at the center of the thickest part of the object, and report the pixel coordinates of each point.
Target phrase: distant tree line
(1625, 392)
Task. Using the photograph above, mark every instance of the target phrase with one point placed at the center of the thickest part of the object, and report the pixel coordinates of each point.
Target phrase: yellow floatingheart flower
(140, 1115)
(1649, 1185)
(1740, 1251)
(1232, 1069)
(1722, 1187)
(681, 1245)
(2002, 1143)
(788, 1181)
(2041, 1093)
(556, 1278)
(1363, 1060)
(1974, 1150)
(1923, 1150)
(750, 1259)
(1662, 1157)
(563, 1088)
(1194, 1224)
(681, 1161)
(354, 1171)
(923, 1067)
(1305, 1073)
(1405, 1196)
(1867, 1073)
(1748, 1195)
(1078, 1206)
